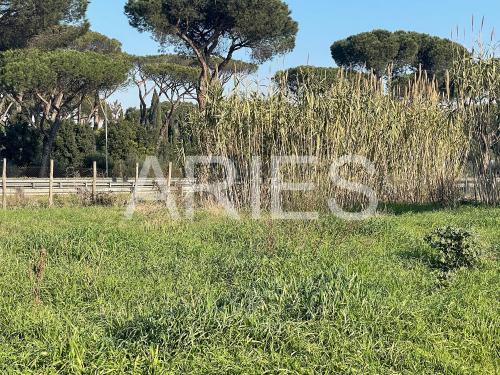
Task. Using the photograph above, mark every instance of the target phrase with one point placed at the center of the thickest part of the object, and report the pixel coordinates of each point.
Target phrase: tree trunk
(165, 127)
(143, 110)
(203, 86)
(48, 146)
(162, 135)
(3, 102)
(5, 115)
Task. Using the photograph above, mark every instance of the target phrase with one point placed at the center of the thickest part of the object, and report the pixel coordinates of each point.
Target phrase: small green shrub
(457, 248)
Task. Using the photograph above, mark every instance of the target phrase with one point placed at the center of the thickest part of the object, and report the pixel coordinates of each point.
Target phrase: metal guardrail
(469, 189)
(40, 186)
(62, 186)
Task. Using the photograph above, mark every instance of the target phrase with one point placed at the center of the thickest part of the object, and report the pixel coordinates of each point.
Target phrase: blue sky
(321, 22)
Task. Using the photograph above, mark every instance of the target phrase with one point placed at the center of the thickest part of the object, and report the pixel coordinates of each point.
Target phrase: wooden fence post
(4, 184)
(136, 181)
(51, 183)
(169, 179)
(94, 180)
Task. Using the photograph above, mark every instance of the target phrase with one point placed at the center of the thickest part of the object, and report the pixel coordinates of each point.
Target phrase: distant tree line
(397, 57)
(57, 75)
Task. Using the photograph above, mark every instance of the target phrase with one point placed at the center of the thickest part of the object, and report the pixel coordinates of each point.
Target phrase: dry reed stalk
(478, 96)
(37, 272)
(417, 144)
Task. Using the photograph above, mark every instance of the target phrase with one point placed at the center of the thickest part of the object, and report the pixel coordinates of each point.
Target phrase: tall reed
(416, 143)
(477, 82)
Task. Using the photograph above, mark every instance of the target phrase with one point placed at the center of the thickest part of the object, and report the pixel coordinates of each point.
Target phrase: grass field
(219, 296)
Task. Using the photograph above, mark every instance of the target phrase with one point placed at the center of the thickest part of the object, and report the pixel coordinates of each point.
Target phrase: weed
(457, 248)
(37, 275)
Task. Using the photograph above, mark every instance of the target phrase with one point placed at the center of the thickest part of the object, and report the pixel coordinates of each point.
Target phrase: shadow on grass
(418, 255)
(406, 208)
(158, 329)
(175, 327)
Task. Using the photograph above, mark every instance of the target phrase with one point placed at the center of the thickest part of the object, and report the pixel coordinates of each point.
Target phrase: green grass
(219, 296)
